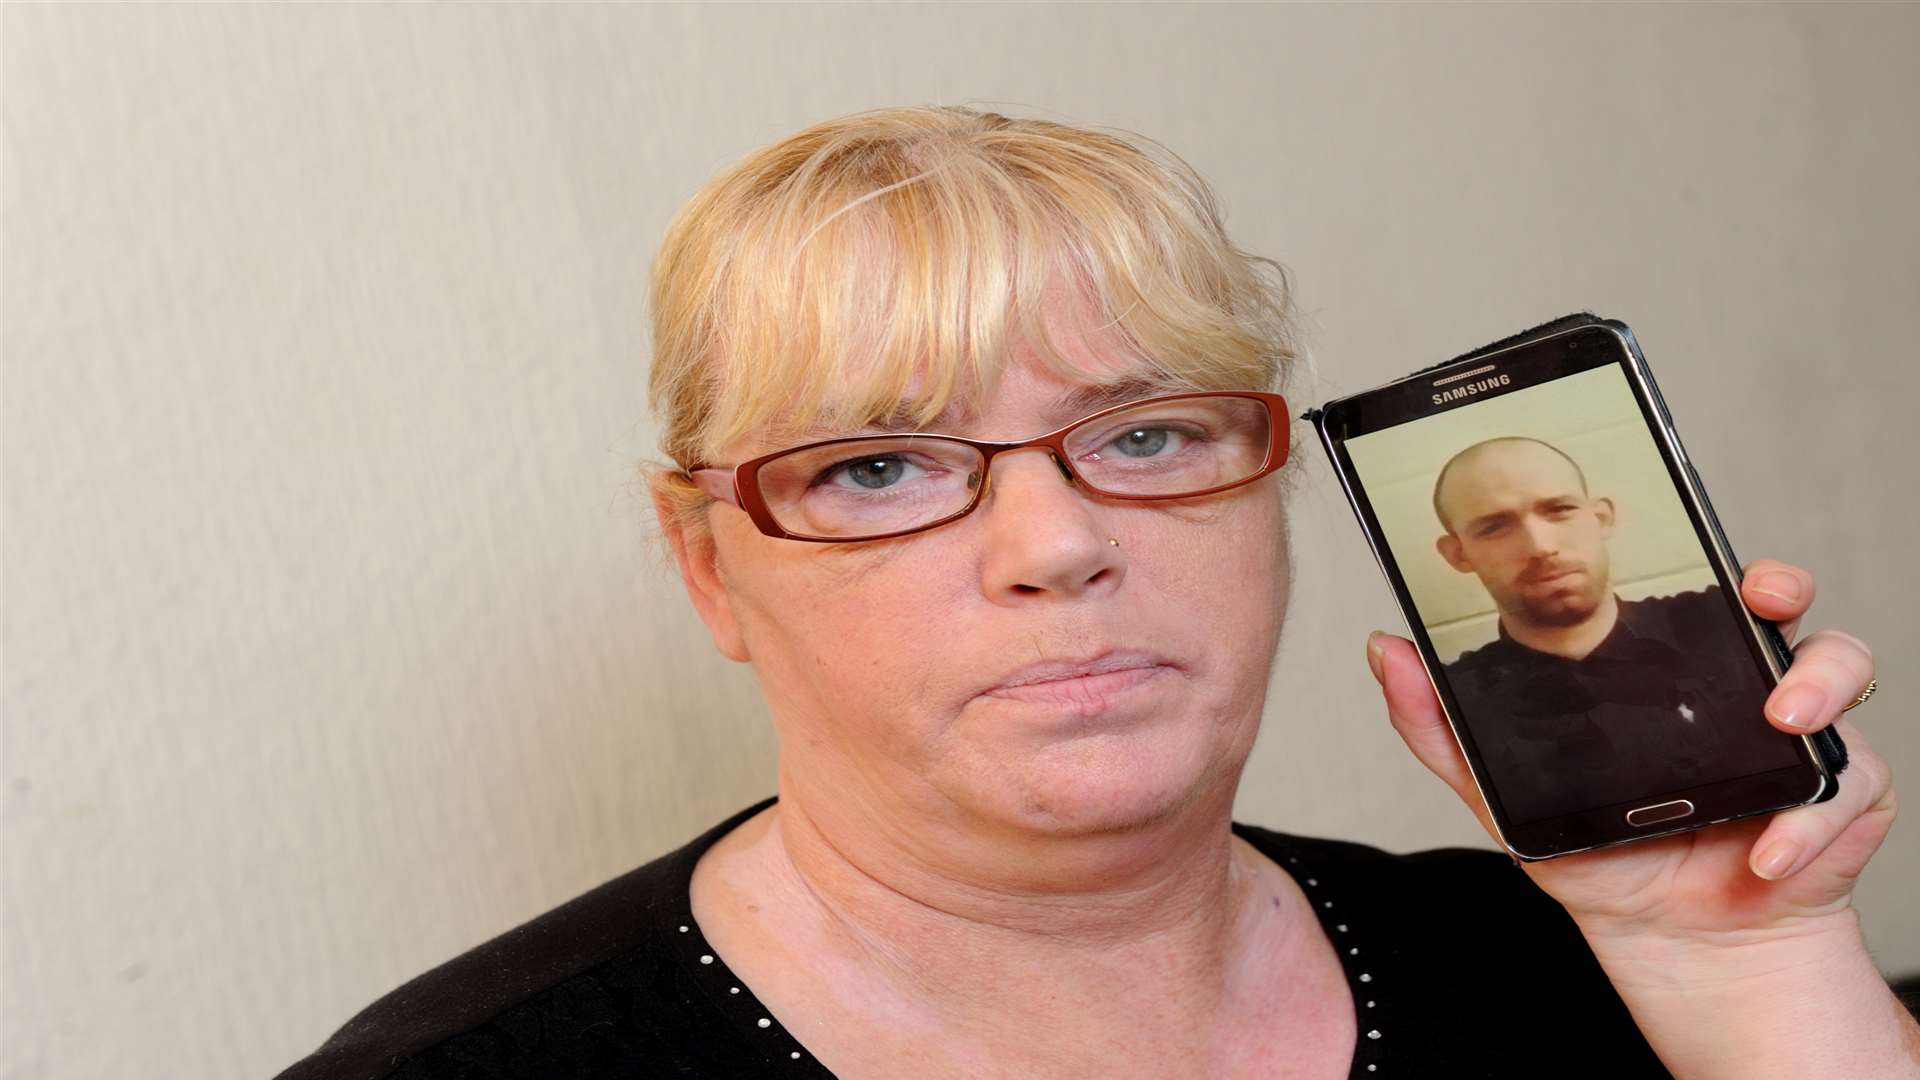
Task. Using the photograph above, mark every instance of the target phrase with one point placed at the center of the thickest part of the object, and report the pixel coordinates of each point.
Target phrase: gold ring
(1872, 685)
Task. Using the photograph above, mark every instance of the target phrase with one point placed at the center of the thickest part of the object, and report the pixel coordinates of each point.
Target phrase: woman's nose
(1043, 534)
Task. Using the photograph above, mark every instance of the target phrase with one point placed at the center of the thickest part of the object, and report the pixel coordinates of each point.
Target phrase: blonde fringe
(882, 264)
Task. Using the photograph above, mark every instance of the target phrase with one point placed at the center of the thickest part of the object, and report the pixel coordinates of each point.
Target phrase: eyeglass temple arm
(717, 483)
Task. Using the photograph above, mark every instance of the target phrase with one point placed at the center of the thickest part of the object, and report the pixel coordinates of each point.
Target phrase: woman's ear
(694, 551)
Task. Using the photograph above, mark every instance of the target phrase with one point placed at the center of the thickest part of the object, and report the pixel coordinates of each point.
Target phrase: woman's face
(946, 673)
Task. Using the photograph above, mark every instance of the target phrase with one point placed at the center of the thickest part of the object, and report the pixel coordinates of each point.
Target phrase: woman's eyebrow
(906, 418)
(1069, 406)
(1091, 399)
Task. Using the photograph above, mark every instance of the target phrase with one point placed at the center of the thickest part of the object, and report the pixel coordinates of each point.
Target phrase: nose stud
(1113, 541)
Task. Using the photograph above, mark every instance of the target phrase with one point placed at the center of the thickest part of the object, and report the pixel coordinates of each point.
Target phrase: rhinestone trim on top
(700, 958)
(1368, 1045)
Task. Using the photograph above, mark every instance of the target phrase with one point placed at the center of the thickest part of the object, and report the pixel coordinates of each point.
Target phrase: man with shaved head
(1585, 699)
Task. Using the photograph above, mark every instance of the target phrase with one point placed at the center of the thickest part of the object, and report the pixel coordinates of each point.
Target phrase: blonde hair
(878, 265)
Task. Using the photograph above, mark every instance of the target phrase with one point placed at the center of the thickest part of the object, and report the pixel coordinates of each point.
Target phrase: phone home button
(1658, 812)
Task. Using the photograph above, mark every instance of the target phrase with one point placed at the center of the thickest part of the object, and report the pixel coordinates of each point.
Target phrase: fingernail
(1777, 859)
(1376, 652)
(1797, 707)
(1779, 584)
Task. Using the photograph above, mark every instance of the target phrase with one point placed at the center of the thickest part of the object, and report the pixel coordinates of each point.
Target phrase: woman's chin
(1097, 785)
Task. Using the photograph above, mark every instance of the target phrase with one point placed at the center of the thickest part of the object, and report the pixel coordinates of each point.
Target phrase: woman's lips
(1082, 691)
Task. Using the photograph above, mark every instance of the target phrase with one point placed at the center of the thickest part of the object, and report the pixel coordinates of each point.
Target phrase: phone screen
(1587, 643)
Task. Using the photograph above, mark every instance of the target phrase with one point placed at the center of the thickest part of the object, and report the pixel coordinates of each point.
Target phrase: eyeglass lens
(888, 484)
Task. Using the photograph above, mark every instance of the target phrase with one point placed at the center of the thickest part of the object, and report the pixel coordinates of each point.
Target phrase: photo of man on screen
(1586, 699)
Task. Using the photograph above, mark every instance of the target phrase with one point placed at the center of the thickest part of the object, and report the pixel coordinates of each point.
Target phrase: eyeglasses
(872, 487)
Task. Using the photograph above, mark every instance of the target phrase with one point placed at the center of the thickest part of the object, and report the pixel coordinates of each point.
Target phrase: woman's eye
(872, 473)
(1147, 442)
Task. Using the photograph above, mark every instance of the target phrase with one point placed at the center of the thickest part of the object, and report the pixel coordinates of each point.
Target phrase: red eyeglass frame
(739, 485)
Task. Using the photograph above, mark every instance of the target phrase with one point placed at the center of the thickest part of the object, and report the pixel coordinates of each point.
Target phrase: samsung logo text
(1472, 388)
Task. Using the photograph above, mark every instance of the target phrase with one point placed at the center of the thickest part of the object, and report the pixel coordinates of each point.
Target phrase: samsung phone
(1571, 592)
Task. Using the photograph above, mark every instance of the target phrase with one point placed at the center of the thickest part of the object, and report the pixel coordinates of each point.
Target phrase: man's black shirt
(1670, 699)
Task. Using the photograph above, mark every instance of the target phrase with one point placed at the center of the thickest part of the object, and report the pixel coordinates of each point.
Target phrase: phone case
(1827, 742)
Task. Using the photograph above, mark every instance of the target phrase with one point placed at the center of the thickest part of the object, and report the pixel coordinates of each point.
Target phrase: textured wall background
(333, 641)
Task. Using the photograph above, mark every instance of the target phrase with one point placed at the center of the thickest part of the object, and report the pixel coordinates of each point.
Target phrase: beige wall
(332, 640)
(1593, 418)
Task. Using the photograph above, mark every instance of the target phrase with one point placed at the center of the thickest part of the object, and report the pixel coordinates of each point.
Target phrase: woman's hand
(1739, 911)
(1761, 874)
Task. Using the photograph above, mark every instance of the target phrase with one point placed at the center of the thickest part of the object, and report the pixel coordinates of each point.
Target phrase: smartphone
(1571, 592)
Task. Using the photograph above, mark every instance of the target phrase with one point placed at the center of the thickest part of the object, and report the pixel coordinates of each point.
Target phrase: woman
(1015, 686)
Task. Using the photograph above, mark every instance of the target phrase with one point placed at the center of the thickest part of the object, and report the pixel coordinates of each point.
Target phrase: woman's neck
(881, 873)
(1178, 927)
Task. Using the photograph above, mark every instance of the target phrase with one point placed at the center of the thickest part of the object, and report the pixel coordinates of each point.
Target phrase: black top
(1671, 695)
(1459, 965)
